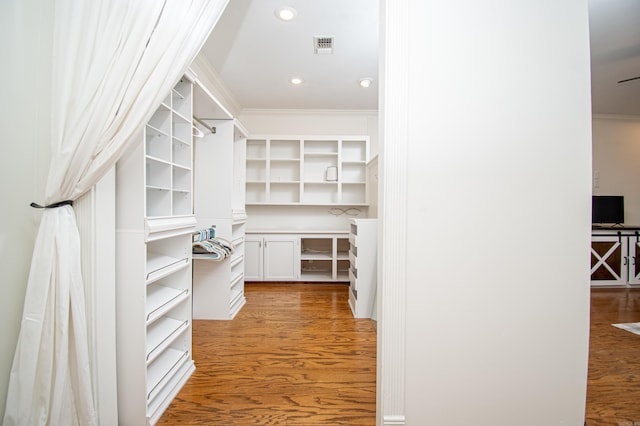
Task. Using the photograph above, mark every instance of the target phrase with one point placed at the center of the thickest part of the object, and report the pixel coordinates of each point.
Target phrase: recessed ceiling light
(365, 82)
(296, 80)
(286, 13)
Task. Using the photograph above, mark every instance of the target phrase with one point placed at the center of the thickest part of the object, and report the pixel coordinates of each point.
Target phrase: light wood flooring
(294, 355)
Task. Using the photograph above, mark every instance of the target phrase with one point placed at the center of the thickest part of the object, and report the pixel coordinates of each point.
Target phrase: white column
(95, 215)
(394, 62)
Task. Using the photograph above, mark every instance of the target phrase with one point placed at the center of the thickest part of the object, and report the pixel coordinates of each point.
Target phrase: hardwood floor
(294, 355)
(613, 388)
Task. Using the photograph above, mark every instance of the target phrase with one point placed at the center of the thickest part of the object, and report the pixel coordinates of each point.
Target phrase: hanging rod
(201, 121)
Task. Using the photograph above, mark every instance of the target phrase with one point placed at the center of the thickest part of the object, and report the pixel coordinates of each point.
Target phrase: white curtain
(113, 63)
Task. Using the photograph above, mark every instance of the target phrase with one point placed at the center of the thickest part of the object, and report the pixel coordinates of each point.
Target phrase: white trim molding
(392, 231)
(394, 421)
(96, 219)
(616, 117)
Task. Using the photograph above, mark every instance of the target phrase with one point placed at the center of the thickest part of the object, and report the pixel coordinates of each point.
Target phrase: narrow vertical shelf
(225, 159)
(362, 266)
(154, 221)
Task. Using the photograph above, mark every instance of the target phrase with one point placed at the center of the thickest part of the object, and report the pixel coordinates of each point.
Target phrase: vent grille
(323, 45)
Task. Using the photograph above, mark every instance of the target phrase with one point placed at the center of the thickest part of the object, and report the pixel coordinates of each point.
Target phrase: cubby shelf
(306, 170)
(154, 221)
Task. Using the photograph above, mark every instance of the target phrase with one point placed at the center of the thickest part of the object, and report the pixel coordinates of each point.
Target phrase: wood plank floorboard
(294, 355)
(613, 387)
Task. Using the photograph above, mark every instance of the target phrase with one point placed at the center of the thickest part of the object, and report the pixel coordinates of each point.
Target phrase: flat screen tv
(607, 209)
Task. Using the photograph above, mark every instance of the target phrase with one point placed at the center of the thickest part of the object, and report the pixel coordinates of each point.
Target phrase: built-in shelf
(317, 170)
(219, 185)
(153, 262)
(161, 334)
(362, 266)
(292, 256)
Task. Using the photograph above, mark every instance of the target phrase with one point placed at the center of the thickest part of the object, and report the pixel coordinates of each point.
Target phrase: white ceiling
(255, 54)
(614, 27)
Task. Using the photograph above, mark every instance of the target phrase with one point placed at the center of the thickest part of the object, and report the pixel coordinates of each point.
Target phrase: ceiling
(614, 27)
(256, 54)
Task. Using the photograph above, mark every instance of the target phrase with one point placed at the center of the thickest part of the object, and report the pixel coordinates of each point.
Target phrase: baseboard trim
(393, 421)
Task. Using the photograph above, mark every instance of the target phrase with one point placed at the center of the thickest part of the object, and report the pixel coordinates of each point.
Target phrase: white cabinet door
(253, 258)
(281, 258)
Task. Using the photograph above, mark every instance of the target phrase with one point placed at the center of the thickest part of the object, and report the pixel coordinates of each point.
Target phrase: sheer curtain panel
(113, 63)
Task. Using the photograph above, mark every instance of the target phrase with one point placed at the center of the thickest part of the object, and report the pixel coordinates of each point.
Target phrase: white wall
(498, 213)
(616, 153)
(24, 126)
(264, 122)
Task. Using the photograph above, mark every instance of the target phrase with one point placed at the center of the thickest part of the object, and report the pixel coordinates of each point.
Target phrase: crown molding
(266, 111)
(210, 77)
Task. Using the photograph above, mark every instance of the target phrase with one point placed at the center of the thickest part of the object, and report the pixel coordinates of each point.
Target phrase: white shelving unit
(324, 257)
(363, 264)
(154, 222)
(307, 170)
(219, 181)
(293, 256)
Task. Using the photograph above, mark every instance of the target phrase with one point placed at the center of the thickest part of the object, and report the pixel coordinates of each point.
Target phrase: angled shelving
(154, 268)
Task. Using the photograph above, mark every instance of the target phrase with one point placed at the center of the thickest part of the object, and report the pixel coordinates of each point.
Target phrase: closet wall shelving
(324, 257)
(318, 256)
(363, 266)
(154, 222)
(307, 170)
(219, 182)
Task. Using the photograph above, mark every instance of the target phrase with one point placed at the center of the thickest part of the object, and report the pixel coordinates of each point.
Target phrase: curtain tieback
(54, 205)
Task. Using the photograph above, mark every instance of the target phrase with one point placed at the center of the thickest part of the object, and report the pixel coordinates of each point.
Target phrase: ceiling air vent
(323, 45)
